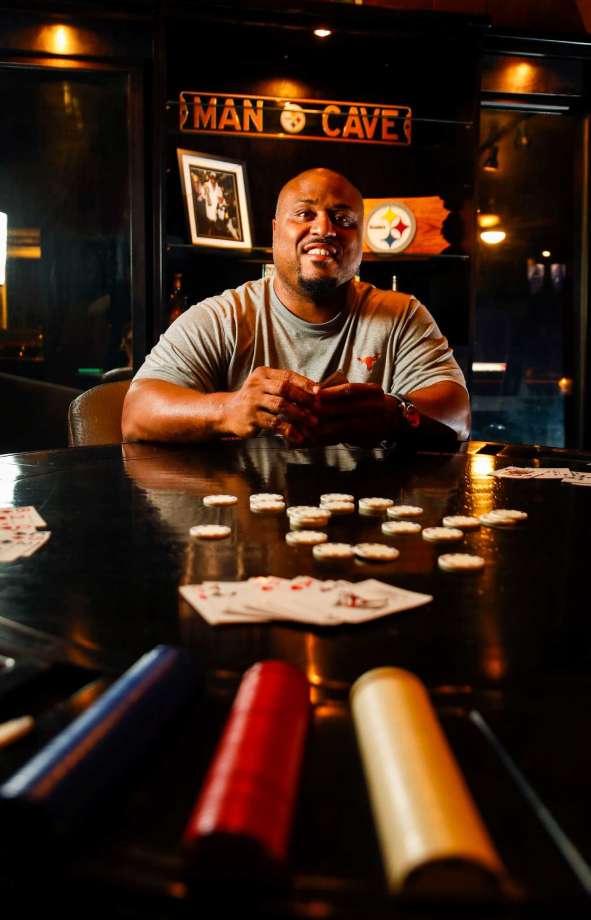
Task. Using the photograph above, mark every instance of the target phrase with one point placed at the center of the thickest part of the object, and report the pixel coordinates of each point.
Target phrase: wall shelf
(265, 254)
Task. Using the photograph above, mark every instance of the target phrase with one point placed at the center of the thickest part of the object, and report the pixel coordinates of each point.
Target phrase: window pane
(524, 293)
(64, 185)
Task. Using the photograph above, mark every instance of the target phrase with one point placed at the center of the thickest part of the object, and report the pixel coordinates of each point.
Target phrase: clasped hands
(306, 414)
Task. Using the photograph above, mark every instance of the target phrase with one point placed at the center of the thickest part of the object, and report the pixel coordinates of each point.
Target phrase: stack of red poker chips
(240, 826)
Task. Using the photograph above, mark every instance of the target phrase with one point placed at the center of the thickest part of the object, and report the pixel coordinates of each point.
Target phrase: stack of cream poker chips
(401, 512)
(210, 531)
(338, 502)
(374, 507)
(400, 528)
(219, 501)
(503, 517)
(304, 517)
(267, 503)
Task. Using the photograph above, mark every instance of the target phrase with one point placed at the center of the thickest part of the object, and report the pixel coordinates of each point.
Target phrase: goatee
(318, 288)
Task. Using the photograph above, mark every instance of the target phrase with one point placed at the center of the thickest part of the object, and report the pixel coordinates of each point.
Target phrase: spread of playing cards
(303, 599)
(19, 533)
(563, 473)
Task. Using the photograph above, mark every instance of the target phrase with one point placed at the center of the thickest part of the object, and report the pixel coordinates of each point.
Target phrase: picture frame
(217, 203)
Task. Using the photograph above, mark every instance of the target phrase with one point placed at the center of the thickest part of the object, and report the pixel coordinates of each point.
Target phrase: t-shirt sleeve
(422, 354)
(193, 352)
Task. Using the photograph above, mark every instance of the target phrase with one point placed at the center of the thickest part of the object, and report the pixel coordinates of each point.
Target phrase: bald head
(319, 174)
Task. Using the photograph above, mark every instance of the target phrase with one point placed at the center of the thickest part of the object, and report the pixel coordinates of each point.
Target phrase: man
(251, 360)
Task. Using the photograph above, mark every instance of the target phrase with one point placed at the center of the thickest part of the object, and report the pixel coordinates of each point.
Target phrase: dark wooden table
(512, 643)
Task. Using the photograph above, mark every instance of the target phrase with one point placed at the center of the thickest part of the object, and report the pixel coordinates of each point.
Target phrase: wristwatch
(410, 414)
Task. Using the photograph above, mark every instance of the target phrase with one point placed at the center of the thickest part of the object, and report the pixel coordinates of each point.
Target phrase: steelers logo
(390, 227)
(292, 118)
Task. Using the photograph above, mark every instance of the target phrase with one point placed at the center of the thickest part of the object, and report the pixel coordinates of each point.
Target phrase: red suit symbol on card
(370, 361)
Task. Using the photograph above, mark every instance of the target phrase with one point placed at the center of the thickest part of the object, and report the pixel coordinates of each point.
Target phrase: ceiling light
(322, 33)
(492, 237)
(546, 253)
(491, 164)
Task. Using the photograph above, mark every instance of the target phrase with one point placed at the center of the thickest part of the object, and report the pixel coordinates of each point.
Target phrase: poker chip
(404, 511)
(374, 505)
(338, 507)
(442, 534)
(396, 528)
(219, 501)
(330, 497)
(267, 506)
(510, 513)
(463, 521)
(325, 551)
(376, 552)
(210, 531)
(266, 497)
(305, 537)
(315, 517)
(298, 509)
(460, 562)
(502, 517)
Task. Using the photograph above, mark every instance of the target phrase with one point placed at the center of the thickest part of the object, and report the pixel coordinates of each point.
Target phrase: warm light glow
(488, 220)
(492, 237)
(565, 385)
(322, 33)
(60, 39)
(483, 366)
(519, 77)
(3, 245)
(546, 253)
(481, 464)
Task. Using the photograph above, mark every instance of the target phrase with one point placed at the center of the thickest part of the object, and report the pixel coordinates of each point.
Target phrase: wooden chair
(94, 417)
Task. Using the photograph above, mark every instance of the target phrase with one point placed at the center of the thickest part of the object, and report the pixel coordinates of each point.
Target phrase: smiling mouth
(321, 252)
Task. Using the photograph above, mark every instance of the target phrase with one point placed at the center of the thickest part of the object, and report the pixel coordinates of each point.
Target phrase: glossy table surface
(512, 643)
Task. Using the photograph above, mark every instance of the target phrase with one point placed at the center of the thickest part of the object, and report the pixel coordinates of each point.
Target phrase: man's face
(317, 233)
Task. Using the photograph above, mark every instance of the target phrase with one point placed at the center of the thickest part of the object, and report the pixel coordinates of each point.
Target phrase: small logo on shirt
(370, 361)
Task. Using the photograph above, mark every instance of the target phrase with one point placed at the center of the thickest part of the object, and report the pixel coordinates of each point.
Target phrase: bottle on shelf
(177, 300)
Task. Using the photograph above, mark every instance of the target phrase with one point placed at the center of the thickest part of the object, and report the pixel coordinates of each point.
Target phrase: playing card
(516, 472)
(18, 541)
(554, 472)
(371, 599)
(578, 479)
(211, 599)
(24, 514)
(9, 552)
(29, 543)
(303, 599)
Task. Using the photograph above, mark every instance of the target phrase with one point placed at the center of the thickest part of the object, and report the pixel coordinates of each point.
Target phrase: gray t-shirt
(382, 337)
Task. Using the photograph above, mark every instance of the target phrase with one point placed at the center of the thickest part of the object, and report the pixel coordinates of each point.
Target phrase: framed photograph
(216, 200)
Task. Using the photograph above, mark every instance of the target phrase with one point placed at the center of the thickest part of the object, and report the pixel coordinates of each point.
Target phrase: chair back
(94, 417)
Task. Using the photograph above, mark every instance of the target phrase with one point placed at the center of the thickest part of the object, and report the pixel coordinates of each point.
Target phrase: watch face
(390, 227)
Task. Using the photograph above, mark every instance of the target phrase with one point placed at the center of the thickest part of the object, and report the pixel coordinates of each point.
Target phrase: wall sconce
(491, 163)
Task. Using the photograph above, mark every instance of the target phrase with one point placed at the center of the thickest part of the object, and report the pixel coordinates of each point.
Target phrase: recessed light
(322, 33)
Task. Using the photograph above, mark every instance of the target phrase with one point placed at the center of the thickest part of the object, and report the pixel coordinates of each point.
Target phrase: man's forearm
(155, 410)
(444, 409)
